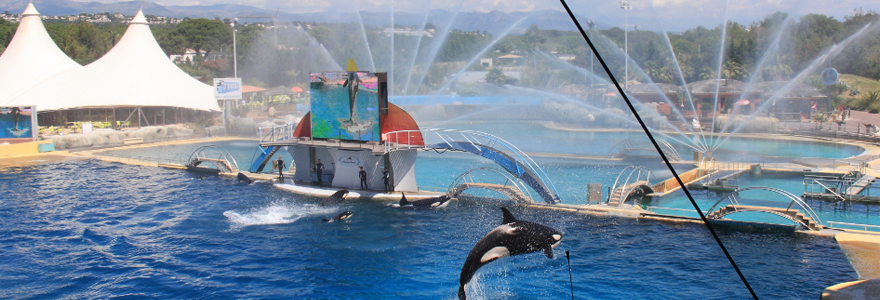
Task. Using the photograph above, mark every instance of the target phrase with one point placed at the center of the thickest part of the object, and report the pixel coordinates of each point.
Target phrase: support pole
(659, 150)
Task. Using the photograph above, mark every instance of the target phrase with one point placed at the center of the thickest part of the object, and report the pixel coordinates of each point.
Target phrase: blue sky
(672, 15)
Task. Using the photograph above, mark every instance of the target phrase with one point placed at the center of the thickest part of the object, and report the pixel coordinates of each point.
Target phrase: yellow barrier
(27, 148)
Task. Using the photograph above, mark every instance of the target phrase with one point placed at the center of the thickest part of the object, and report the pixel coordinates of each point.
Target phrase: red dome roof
(398, 119)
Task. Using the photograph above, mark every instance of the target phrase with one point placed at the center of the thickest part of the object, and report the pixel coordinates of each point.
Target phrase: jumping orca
(513, 237)
(352, 83)
(428, 203)
(337, 198)
(341, 216)
(243, 178)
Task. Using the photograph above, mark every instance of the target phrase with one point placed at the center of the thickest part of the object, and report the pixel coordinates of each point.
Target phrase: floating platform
(353, 194)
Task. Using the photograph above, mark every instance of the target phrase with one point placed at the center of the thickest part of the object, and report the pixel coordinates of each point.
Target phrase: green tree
(496, 76)
(200, 35)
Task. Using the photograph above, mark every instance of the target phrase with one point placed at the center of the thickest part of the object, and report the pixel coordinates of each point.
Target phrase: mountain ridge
(493, 22)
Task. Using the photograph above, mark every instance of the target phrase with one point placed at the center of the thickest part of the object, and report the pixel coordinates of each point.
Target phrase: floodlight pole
(234, 55)
(591, 24)
(624, 4)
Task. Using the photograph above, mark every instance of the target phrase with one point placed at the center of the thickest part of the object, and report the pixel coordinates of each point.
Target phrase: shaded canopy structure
(31, 58)
(135, 73)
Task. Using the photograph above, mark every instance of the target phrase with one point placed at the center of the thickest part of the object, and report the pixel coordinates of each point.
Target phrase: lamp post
(234, 58)
(624, 4)
(591, 24)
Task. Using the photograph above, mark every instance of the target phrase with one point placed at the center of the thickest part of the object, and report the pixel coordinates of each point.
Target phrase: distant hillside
(493, 22)
(864, 84)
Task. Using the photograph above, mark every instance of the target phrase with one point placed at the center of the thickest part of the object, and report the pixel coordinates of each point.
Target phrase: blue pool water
(97, 230)
(435, 171)
(534, 137)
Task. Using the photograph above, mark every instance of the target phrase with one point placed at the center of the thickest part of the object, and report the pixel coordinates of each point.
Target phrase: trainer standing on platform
(363, 176)
(319, 168)
(280, 165)
(387, 178)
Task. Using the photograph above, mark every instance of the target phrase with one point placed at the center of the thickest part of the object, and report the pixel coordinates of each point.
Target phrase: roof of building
(251, 89)
(135, 73)
(278, 90)
(653, 89)
(722, 86)
(30, 58)
(787, 90)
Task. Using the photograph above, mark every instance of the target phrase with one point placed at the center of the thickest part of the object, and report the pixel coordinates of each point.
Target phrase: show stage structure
(346, 129)
(352, 125)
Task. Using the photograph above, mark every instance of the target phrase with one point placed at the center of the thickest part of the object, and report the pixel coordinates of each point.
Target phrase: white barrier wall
(344, 165)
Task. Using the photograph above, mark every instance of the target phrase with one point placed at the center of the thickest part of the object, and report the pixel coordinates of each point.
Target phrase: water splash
(831, 52)
(275, 213)
(366, 42)
(720, 63)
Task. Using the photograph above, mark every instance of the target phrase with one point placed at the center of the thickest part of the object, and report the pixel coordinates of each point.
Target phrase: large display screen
(17, 124)
(345, 105)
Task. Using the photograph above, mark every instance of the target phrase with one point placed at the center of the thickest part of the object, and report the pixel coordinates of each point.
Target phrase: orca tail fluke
(326, 220)
(461, 293)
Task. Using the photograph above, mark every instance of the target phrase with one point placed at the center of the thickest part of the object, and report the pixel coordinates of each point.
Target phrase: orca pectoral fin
(495, 253)
(548, 252)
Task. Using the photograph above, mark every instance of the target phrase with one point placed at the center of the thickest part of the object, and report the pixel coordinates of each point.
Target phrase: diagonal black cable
(653, 141)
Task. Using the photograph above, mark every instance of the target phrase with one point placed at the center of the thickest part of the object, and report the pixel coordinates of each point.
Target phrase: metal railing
(511, 182)
(276, 133)
(733, 200)
(641, 174)
(403, 140)
(222, 154)
(834, 185)
(864, 226)
(682, 210)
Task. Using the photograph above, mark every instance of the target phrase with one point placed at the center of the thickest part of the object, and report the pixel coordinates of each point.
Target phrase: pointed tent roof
(31, 57)
(136, 72)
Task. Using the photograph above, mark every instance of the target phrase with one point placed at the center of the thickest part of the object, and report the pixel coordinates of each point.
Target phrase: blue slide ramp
(520, 170)
(263, 159)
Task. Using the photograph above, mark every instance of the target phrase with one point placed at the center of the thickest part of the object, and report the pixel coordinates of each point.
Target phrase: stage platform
(353, 194)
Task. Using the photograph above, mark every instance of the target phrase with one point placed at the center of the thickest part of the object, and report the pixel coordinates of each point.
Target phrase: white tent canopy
(32, 57)
(135, 73)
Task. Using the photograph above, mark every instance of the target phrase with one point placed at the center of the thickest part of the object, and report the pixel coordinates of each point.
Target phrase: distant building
(189, 54)
(480, 76)
(486, 62)
(508, 59)
(567, 57)
(663, 94)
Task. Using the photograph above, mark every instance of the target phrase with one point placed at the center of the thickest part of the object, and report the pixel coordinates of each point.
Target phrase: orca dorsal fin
(403, 200)
(508, 217)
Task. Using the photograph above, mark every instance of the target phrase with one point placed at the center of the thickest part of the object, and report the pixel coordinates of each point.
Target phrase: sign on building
(227, 88)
